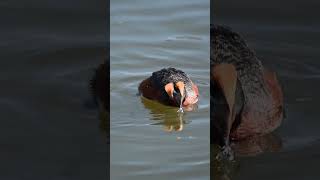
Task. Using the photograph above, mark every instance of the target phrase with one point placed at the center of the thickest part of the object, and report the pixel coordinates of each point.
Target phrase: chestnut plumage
(246, 98)
(170, 86)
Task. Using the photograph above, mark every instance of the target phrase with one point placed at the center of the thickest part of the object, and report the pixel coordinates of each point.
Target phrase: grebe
(170, 86)
(99, 87)
(246, 98)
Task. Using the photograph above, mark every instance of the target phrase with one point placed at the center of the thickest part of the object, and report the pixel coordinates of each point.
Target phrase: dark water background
(48, 52)
(286, 36)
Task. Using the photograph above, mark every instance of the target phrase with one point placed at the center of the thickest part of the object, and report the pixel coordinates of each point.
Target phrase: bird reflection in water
(167, 116)
(223, 169)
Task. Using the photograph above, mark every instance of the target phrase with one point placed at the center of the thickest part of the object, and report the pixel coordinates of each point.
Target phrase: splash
(180, 110)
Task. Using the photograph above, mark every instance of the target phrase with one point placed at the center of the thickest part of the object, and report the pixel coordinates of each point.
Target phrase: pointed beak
(177, 95)
(178, 99)
(180, 85)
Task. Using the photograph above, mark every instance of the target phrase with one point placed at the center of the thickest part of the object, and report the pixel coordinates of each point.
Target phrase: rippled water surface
(150, 140)
(48, 54)
(286, 36)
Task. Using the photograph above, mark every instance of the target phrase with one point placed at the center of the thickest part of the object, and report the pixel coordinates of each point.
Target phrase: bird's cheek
(195, 89)
(190, 100)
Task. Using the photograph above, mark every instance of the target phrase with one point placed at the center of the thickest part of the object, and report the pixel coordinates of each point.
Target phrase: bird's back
(229, 47)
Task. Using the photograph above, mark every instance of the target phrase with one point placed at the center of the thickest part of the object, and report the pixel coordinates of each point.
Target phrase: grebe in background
(99, 86)
(246, 98)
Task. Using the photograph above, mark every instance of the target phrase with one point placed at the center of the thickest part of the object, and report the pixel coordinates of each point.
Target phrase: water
(286, 36)
(50, 49)
(150, 140)
(48, 55)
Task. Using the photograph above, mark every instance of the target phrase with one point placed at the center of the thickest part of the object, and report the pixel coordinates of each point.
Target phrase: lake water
(286, 35)
(145, 139)
(49, 51)
(48, 54)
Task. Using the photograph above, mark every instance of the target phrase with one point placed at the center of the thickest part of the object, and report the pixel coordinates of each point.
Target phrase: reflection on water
(249, 147)
(222, 169)
(146, 37)
(167, 116)
(257, 145)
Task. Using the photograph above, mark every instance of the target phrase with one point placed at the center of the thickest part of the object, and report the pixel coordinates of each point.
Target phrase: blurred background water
(286, 36)
(49, 50)
(145, 139)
